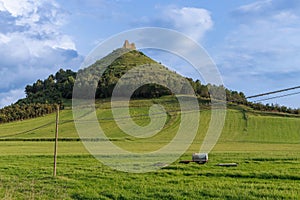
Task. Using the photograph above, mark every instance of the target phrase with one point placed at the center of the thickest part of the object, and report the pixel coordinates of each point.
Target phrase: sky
(254, 44)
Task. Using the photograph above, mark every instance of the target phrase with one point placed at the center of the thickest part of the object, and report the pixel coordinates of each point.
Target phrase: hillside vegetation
(240, 125)
(266, 148)
(100, 79)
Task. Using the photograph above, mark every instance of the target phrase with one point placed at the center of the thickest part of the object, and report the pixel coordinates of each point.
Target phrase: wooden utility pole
(56, 140)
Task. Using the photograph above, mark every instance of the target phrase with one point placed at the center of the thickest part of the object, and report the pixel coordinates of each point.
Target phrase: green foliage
(51, 90)
(25, 111)
(103, 76)
(41, 97)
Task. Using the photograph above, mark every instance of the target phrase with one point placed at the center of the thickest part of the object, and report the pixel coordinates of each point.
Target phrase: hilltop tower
(127, 45)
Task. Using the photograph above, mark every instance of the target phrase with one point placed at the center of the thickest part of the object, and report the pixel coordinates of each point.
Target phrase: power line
(273, 92)
(277, 97)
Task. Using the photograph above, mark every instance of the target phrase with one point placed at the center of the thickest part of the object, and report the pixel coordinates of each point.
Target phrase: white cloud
(11, 96)
(18, 7)
(286, 17)
(2, 8)
(266, 44)
(256, 6)
(32, 45)
(262, 52)
(194, 22)
(4, 38)
(41, 21)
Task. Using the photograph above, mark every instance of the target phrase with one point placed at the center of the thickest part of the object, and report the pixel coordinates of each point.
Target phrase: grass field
(266, 148)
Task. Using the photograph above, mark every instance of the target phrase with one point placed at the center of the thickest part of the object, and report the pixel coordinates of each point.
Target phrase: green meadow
(266, 147)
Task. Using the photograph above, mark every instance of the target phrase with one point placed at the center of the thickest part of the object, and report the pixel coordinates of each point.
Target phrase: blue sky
(255, 44)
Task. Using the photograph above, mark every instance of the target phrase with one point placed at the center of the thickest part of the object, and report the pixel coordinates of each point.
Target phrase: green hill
(263, 141)
(124, 65)
(266, 148)
(104, 74)
(254, 128)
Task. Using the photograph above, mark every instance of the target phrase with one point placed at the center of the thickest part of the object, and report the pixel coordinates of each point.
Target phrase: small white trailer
(199, 158)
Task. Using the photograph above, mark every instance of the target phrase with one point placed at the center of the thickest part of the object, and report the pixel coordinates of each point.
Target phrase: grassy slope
(238, 128)
(266, 148)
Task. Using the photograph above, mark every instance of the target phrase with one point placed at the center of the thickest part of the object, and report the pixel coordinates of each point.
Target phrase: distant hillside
(240, 126)
(58, 87)
(42, 94)
(116, 64)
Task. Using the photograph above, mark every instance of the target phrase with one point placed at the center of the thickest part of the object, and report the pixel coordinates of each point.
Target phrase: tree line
(16, 112)
(51, 90)
(41, 97)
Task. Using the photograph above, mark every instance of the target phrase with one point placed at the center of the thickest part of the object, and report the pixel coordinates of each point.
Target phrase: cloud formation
(7, 97)
(31, 44)
(194, 22)
(265, 44)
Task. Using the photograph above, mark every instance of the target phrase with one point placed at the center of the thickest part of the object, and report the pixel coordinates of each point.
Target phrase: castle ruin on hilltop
(128, 45)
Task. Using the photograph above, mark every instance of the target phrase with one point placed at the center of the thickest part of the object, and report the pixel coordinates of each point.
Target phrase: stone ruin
(128, 45)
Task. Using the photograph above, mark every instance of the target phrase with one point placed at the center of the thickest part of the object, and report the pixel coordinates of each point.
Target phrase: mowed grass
(42, 127)
(258, 176)
(266, 148)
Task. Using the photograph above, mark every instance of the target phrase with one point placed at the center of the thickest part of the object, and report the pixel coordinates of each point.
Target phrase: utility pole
(56, 139)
